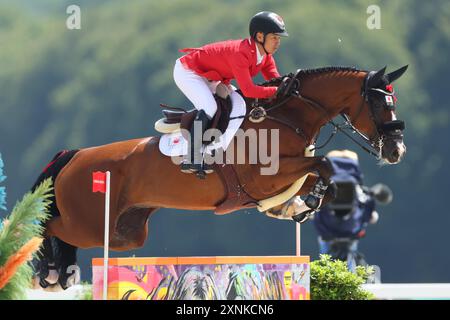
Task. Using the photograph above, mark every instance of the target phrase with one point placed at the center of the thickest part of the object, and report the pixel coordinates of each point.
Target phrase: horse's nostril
(396, 153)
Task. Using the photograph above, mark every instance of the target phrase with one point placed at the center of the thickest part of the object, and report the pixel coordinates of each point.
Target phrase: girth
(236, 198)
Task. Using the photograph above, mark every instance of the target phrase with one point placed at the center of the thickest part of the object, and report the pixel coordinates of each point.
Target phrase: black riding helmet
(267, 22)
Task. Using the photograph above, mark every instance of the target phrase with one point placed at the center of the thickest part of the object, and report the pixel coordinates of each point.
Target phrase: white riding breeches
(200, 91)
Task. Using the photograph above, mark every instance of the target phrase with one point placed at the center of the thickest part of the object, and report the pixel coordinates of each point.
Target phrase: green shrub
(86, 293)
(331, 280)
(24, 223)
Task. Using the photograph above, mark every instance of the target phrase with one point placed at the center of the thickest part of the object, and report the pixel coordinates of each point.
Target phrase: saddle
(174, 115)
(236, 197)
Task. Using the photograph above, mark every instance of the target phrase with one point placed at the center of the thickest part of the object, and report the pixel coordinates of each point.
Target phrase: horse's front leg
(317, 183)
(295, 207)
(293, 168)
(323, 169)
(319, 195)
(330, 194)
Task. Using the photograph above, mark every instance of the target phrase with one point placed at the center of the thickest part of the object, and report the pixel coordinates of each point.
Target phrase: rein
(342, 128)
(260, 112)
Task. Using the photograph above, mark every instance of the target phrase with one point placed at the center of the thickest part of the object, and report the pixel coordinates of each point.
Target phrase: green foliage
(23, 224)
(331, 280)
(86, 293)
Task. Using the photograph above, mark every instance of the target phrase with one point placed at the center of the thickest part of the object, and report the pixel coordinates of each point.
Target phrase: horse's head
(376, 116)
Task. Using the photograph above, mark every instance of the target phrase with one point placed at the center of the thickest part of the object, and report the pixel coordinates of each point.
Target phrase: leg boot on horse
(319, 190)
(45, 273)
(66, 264)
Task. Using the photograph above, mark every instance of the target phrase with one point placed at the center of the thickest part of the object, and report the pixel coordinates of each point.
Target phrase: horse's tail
(52, 169)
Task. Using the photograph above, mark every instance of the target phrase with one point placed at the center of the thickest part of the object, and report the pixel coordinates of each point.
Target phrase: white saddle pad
(174, 144)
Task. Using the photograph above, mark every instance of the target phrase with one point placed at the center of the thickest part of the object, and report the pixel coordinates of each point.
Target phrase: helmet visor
(282, 34)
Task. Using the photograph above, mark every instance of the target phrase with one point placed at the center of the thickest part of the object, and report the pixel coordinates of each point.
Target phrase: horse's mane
(329, 69)
(312, 71)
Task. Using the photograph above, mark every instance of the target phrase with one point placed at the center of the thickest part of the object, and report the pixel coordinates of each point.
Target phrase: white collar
(259, 56)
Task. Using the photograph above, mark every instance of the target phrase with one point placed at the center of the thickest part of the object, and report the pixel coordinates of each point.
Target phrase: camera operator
(342, 222)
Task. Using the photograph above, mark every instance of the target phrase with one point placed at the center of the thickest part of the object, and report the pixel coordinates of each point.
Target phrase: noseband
(392, 128)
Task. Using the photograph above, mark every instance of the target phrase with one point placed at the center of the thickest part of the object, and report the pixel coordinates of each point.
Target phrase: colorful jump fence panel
(204, 278)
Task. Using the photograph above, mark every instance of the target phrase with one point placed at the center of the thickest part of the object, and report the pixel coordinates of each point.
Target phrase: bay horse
(144, 180)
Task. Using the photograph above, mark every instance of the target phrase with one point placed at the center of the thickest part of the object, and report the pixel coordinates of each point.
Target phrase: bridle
(291, 85)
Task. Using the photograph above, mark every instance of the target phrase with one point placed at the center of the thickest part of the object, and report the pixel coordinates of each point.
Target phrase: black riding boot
(195, 162)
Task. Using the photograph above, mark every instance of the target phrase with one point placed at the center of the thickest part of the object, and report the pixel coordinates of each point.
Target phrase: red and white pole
(106, 240)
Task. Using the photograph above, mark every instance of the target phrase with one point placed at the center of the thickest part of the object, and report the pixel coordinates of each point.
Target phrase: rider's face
(272, 41)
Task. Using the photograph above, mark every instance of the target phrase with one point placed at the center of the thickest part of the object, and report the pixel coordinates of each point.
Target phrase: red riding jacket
(232, 59)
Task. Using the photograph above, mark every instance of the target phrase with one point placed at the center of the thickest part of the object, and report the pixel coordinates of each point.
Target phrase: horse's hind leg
(45, 274)
(65, 254)
(132, 229)
(66, 264)
(55, 266)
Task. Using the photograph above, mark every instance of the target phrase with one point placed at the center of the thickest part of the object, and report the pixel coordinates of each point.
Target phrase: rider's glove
(287, 87)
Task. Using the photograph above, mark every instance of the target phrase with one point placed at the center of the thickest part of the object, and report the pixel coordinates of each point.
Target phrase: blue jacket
(328, 224)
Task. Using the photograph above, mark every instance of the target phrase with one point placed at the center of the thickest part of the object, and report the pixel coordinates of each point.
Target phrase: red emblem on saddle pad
(99, 181)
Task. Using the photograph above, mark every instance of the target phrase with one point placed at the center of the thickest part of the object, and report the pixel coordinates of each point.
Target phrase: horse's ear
(394, 75)
(375, 79)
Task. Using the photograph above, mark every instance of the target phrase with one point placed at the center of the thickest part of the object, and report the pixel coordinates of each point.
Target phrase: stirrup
(203, 171)
(207, 168)
(196, 168)
(188, 167)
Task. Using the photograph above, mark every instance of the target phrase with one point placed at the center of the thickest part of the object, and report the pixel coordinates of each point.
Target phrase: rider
(201, 70)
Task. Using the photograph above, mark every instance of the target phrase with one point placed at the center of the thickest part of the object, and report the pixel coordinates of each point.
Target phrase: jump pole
(106, 241)
(101, 183)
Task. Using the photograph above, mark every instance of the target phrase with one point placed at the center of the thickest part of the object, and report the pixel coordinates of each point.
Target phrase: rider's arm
(240, 68)
(269, 69)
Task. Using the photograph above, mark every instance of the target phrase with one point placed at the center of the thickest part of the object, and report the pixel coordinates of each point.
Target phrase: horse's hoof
(44, 283)
(312, 202)
(53, 288)
(52, 274)
(302, 217)
(69, 278)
